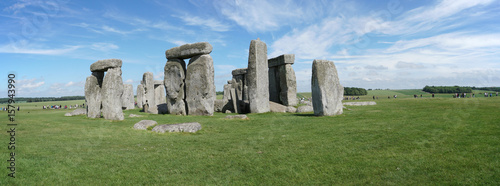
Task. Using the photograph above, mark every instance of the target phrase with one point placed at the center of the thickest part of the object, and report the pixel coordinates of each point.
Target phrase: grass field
(402, 141)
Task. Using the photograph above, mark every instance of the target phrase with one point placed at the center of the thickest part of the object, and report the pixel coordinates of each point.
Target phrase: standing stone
(200, 86)
(174, 86)
(128, 97)
(93, 97)
(274, 84)
(140, 96)
(258, 77)
(149, 92)
(161, 102)
(227, 92)
(288, 85)
(326, 90)
(112, 90)
(234, 100)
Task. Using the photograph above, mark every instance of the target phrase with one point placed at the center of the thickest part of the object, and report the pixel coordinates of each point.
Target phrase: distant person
(497, 93)
(490, 97)
(432, 95)
(420, 95)
(373, 97)
(388, 97)
(473, 95)
(17, 108)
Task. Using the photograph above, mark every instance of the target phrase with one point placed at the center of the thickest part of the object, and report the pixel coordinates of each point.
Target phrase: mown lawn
(396, 142)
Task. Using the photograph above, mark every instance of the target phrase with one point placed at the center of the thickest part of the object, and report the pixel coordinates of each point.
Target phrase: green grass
(396, 142)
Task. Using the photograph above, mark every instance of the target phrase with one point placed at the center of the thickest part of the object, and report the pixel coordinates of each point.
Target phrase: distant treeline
(496, 89)
(447, 89)
(42, 99)
(353, 91)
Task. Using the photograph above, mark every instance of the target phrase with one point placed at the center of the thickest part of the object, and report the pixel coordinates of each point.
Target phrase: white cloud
(104, 46)
(129, 81)
(210, 23)
(449, 42)
(402, 64)
(113, 30)
(260, 15)
(9, 48)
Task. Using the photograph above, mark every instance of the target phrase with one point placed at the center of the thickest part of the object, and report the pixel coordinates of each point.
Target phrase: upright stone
(274, 85)
(160, 93)
(288, 85)
(258, 77)
(93, 97)
(140, 96)
(128, 97)
(149, 92)
(326, 90)
(200, 87)
(112, 90)
(227, 92)
(174, 86)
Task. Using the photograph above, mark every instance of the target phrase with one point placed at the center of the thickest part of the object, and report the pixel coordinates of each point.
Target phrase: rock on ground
(78, 111)
(305, 108)
(112, 90)
(291, 109)
(104, 65)
(327, 93)
(189, 50)
(144, 124)
(237, 117)
(134, 116)
(276, 107)
(181, 127)
(258, 77)
(200, 86)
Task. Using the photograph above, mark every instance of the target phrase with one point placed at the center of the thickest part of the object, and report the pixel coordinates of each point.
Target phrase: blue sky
(50, 45)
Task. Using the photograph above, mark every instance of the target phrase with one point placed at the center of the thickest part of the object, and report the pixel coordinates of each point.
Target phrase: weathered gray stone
(144, 124)
(305, 108)
(327, 93)
(181, 127)
(238, 85)
(219, 104)
(200, 86)
(134, 116)
(274, 85)
(78, 111)
(149, 92)
(175, 71)
(234, 101)
(257, 77)
(228, 112)
(160, 94)
(189, 50)
(282, 60)
(128, 97)
(291, 109)
(239, 71)
(276, 107)
(158, 82)
(237, 117)
(104, 65)
(360, 103)
(93, 97)
(288, 85)
(112, 90)
(227, 92)
(140, 96)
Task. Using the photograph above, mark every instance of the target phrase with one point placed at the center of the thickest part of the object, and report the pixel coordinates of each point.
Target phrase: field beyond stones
(396, 142)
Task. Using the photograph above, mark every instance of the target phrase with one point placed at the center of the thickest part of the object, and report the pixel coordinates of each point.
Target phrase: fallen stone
(128, 97)
(112, 90)
(360, 103)
(276, 107)
(200, 86)
(93, 97)
(181, 127)
(134, 116)
(144, 124)
(305, 108)
(291, 109)
(175, 71)
(327, 93)
(257, 77)
(228, 112)
(104, 65)
(76, 112)
(237, 117)
(189, 50)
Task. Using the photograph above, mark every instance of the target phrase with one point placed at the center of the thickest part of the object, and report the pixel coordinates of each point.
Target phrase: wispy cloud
(104, 46)
(27, 50)
(211, 23)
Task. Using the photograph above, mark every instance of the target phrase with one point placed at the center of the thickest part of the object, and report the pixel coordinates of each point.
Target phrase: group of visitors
(61, 107)
(351, 98)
